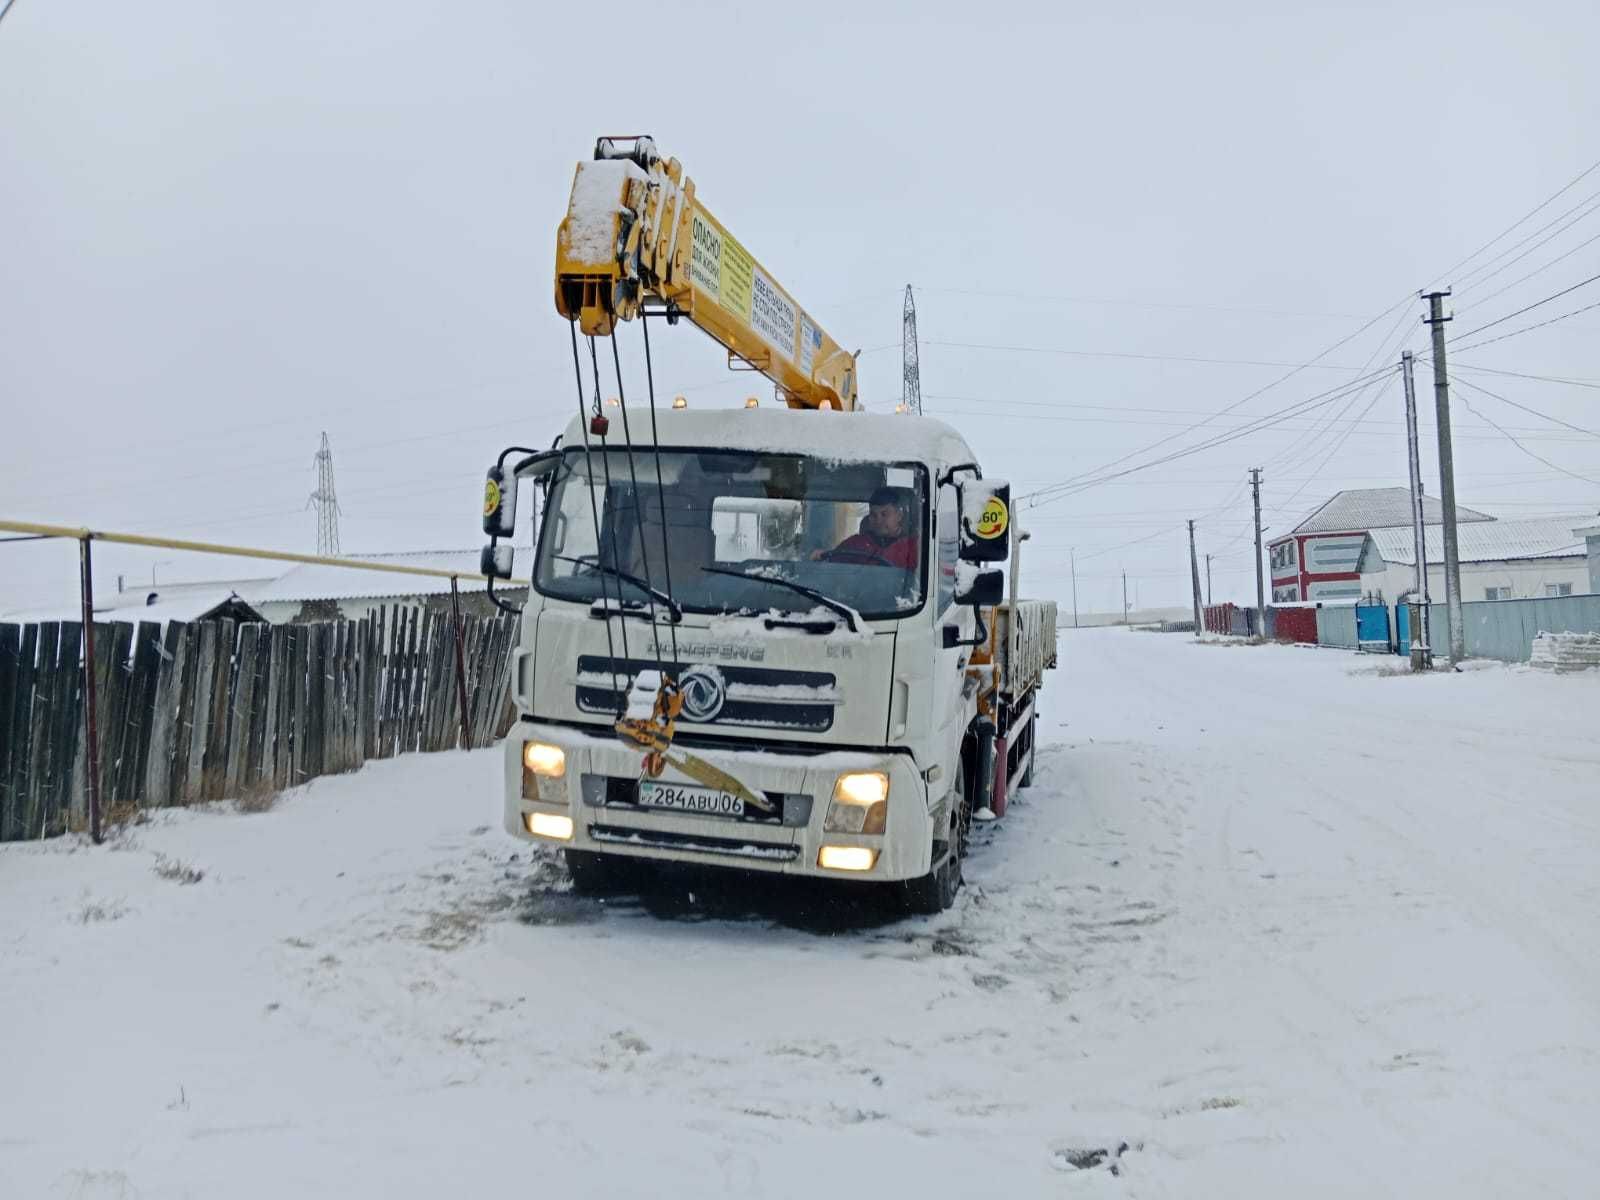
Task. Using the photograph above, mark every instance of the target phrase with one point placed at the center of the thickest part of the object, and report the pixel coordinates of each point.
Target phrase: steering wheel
(857, 556)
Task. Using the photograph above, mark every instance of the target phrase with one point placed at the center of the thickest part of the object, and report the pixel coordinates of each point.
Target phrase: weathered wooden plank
(10, 649)
(268, 689)
(45, 683)
(261, 703)
(184, 716)
(240, 708)
(163, 714)
(363, 686)
(219, 728)
(113, 642)
(138, 713)
(207, 663)
(64, 735)
(301, 720)
(395, 683)
(186, 684)
(21, 727)
(275, 742)
(344, 647)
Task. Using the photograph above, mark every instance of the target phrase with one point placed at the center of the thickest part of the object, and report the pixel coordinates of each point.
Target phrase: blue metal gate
(1402, 629)
(1372, 627)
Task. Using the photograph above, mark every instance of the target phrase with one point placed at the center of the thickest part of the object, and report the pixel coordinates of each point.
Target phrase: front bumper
(597, 791)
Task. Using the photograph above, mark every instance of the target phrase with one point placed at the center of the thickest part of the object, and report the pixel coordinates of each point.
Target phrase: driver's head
(886, 515)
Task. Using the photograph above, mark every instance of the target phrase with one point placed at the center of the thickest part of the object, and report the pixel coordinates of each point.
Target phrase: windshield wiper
(838, 606)
(673, 607)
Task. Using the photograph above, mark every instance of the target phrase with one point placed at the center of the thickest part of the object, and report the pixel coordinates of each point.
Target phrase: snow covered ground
(1272, 923)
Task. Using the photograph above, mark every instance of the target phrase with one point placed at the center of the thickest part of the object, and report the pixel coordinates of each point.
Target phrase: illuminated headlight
(544, 773)
(847, 858)
(544, 759)
(860, 803)
(548, 825)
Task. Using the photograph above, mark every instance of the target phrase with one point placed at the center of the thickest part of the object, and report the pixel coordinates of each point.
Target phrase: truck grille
(757, 697)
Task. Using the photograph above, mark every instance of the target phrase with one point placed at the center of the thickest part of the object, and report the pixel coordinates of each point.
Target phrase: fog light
(860, 803)
(544, 759)
(847, 858)
(549, 825)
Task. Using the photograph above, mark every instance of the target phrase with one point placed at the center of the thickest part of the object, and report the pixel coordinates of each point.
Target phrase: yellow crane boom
(636, 234)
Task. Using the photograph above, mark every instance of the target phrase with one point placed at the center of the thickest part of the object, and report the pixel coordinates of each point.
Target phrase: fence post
(92, 749)
(461, 666)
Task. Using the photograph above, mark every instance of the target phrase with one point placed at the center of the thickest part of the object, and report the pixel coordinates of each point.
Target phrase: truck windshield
(855, 532)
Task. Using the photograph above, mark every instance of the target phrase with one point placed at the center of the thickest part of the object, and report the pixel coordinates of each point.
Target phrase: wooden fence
(215, 710)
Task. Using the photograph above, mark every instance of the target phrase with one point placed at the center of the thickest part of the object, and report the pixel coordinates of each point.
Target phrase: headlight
(847, 858)
(544, 759)
(548, 825)
(860, 803)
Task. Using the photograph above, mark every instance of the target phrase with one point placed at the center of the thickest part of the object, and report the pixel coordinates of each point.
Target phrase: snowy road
(1277, 923)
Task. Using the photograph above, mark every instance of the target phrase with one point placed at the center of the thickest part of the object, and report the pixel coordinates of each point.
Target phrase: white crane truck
(773, 639)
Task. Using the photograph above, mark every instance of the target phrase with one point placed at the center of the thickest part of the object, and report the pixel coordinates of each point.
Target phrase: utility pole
(1194, 578)
(1073, 552)
(1447, 480)
(1124, 596)
(1421, 648)
(1208, 581)
(1261, 588)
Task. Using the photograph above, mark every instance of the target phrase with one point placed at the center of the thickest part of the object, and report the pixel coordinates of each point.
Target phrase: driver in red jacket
(887, 536)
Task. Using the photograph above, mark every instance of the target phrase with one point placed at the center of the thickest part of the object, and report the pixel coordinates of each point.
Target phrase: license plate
(682, 798)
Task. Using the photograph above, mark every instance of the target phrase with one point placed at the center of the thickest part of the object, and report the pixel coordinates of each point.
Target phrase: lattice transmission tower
(911, 393)
(326, 501)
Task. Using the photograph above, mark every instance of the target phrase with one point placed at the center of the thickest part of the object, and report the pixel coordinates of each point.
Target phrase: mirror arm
(510, 450)
(495, 600)
(979, 638)
(950, 473)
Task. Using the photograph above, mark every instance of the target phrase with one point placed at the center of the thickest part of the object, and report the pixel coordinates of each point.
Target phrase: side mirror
(981, 589)
(985, 520)
(500, 503)
(495, 561)
(500, 488)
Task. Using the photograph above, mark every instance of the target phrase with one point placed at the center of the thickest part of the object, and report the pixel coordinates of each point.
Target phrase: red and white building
(1320, 559)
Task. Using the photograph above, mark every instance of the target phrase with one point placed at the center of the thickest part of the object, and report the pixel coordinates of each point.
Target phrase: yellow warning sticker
(491, 498)
(994, 520)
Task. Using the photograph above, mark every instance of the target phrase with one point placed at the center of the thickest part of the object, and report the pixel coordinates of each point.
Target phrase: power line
(1521, 279)
(1529, 215)
(1512, 439)
(1095, 478)
(1583, 383)
(1593, 205)
(1181, 358)
(1528, 308)
(1037, 297)
(1530, 328)
(1504, 400)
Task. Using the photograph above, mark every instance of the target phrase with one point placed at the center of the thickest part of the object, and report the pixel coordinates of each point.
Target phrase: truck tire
(600, 874)
(934, 892)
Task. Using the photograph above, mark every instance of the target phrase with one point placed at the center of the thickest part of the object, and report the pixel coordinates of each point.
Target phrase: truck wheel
(936, 891)
(1026, 779)
(600, 874)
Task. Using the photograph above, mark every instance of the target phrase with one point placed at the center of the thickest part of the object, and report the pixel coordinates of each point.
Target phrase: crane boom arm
(635, 233)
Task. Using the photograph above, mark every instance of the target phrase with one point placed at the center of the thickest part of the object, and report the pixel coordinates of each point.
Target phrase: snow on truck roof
(848, 437)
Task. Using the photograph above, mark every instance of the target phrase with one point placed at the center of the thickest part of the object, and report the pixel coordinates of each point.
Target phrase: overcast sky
(226, 228)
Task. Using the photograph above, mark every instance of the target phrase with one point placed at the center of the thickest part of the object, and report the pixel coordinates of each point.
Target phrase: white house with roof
(1500, 560)
(1320, 558)
(1360, 543)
